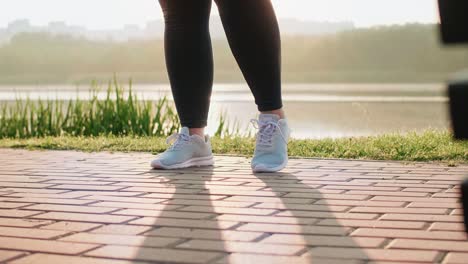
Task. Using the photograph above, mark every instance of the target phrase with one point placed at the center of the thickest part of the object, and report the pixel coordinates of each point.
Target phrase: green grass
(121, 122)
(120, 113)
(431, 145)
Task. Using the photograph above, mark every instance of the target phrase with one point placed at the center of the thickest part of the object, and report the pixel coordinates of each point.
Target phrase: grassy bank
(121, 113)
(428, 146)
(121, 122)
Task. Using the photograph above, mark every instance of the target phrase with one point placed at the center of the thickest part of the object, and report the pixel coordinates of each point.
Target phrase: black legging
(253, 34)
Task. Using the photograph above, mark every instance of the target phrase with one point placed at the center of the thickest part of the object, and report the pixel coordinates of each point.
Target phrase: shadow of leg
(311, 222)
(187, 220)
(168, 228)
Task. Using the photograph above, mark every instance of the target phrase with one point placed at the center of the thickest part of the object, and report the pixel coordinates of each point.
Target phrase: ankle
(197, 131)
(278, 112)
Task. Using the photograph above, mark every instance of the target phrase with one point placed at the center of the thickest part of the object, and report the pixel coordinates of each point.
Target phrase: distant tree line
(409, 53)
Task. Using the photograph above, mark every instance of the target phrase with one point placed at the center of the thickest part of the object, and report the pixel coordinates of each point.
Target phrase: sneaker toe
(157, 164)
(260, 168)
(162, 161)
(265, 167)
(170, 159)
(267, 163)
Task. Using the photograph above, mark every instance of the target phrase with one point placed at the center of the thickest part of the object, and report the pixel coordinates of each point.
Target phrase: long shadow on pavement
(194, 226)
(312, 222)
(186, 216)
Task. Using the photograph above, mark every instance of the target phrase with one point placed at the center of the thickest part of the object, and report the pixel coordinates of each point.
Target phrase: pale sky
(111, 14)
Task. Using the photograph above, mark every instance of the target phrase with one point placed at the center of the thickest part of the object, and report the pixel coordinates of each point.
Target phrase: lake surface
(313, 110)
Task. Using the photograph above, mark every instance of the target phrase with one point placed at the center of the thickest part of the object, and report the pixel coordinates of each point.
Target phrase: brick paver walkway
(72, 207)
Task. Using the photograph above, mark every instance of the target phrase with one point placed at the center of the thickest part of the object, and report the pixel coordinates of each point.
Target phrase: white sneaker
(186, 151)
(271, 148)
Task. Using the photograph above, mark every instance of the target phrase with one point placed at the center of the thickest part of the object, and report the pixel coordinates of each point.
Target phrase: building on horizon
(155, 29)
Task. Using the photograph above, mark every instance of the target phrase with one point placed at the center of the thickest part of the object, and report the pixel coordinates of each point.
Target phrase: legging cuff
(270, 107)
(194, 123)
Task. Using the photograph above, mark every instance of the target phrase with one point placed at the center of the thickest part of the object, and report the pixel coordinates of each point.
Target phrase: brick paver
(73, 207)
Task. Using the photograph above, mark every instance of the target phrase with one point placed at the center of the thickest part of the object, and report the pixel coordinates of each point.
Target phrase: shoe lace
(266, 132)
(177, 140)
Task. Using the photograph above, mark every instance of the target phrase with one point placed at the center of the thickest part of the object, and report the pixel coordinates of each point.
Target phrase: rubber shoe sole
(195, 162)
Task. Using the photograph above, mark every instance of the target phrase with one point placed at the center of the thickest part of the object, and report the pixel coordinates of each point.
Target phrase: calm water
(314, 110)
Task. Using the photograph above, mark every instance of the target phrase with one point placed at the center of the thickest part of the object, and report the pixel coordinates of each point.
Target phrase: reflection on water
(331, 119)
(314, 110)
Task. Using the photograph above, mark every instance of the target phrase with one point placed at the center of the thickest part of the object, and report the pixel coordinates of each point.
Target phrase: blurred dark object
(464, 191)
(458, 95)
(454, 20)
(454, 28)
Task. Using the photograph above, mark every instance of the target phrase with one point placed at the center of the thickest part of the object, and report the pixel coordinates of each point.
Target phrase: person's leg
(253, 34)
(190, 66)
(189, 59)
